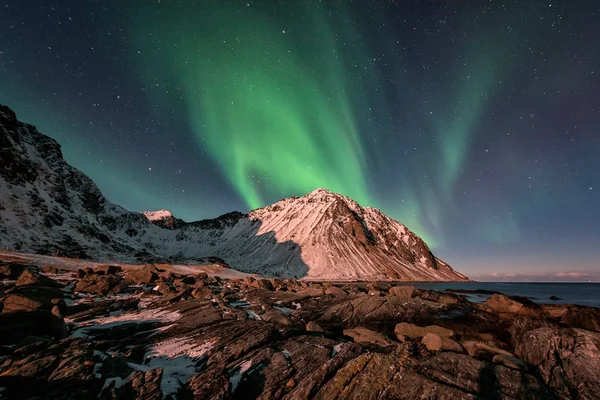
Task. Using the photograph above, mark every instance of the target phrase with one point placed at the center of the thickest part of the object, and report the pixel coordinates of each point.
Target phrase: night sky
(475, 123)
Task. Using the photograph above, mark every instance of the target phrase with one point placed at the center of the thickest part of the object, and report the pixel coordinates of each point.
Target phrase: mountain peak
(158, 214)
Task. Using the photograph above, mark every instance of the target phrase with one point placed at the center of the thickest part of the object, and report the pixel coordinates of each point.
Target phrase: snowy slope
(46, 205)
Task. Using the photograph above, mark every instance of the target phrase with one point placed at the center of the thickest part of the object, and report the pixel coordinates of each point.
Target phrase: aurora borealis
(474, 123)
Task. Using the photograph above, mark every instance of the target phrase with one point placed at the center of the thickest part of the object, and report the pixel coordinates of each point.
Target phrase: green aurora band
(273, 112)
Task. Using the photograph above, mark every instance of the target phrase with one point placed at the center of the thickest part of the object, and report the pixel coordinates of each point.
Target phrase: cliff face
(46, 205)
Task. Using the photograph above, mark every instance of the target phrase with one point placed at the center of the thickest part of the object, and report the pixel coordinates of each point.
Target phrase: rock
(188, 280)
(404, 329)
(97, 284)
(108, 269)
(435, 342)
(378, 286)
(10, 271)
(450, 298)
(142, 276)
(29, 278)
(582, 317)
(363, 335)
(568, 360)
(314, 327)
(19, 302)
(16, 326)
(262, 284)
(275, 316)
(146, 385)
(480, 378)
(163, 288)
(403, 292)
(311, 292)
(374, 293)
(514, 305)
(47, 269)
(509, 361)
(521, 325)
(481, 350)
(336, 292)
(31, 297)
(554, 298)
(203, 292)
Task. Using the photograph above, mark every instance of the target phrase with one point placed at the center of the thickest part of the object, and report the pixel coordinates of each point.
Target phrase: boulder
(203, 292)
(364, 335)
(10, 271)
(163, 288)
(403, 292)
(435, 342)
(335, 291)
(30, 278)
(142, 276)
(262, 284)
(482, 350)
(502, 304)
(108, 269)
(567, 359)
(14, 327)
(48, 269)
(314, 327)
(275, 316)
(404, 329)
(29, 298)
(96, 284)
(583, 317)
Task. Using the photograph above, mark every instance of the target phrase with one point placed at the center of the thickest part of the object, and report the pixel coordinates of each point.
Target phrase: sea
(587, 294)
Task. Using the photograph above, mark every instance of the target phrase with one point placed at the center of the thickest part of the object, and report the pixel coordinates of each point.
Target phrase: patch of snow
(100, 323)
(336, 349)
(285, 310)
(253, 315)
(237, 377)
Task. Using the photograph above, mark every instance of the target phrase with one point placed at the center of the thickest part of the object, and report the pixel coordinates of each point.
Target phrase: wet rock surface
(149, 334)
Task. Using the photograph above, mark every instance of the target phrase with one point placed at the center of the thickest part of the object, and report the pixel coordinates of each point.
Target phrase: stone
(203, 292)
(583, 317)
(314, 327)
(364, 335)
(336, 292)
(481, 350)
(513, 305)
(29, 278)
(404, 329)
(10, 271)
(510, 361)
(403, 292)
(97, 284)
(567, 359)
(275, 316)
(108, 269)
(262, 284)
(142, 276)
(435, 342)
(48, 269)
(163, 288)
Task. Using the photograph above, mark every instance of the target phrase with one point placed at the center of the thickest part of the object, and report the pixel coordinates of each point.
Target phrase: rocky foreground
(151, 334)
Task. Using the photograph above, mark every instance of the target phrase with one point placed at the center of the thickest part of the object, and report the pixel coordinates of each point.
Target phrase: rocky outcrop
(199, 336)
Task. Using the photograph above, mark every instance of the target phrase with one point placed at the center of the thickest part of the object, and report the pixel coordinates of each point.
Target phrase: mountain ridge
(46, 205)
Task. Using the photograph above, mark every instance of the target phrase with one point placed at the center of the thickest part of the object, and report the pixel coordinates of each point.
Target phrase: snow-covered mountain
(163, 218)
(46, 206)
